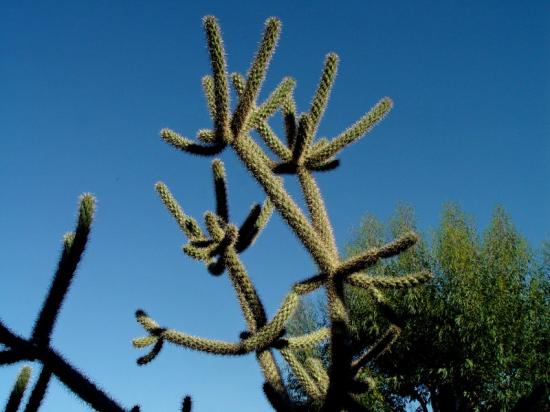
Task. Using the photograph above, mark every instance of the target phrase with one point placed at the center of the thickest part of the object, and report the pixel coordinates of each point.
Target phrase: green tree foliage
(476, 337)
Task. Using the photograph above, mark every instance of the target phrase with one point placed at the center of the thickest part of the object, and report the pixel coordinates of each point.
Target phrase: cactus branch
(256, 75)
(186, 145)
(72, 252)
(354, 132)
(220, 186)
(395, 282)
(210, 94)
(317, 210)
(302, 374)
(371, 257)
(318, 372)
(188, 225)
(246, 148)
(381, 346)
(39, 390)
(219, 72)
(186, 404)
(262, 127)
(67, 374)
(18, 389)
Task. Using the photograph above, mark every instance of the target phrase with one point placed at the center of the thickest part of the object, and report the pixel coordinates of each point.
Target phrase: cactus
(221, 242)
(38, 348)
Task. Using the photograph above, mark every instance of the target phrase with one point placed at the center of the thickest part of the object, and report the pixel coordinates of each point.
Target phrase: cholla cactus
(221, 242)
(37, 347)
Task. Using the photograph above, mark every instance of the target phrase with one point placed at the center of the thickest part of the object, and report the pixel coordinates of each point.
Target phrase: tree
(476, 337)
(335, 385)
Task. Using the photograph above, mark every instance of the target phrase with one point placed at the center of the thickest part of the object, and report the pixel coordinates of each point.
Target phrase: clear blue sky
(86, 86)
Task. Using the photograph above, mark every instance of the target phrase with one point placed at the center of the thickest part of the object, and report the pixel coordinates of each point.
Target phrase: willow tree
(476, 338)
(220, 242)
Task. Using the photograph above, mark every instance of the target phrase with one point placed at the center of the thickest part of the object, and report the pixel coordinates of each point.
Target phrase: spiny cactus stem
(73, 249)
(340, 340)
(371, 257)
(256, 76)
(272, 373)
(219, 71)
(407, 281)
(18, 389)
(245, 148)
(322, 93)
(241, 282)
(186, 404)
(188, 225)
(209, 92)
(381, 346)
(317, 370)
(309, 340)
(317, 210)
(71, 377)
(302, 374)
(39, 390)
(220, 187)
(279, 403)
(262, 339)
(7, 357)
(263, 128)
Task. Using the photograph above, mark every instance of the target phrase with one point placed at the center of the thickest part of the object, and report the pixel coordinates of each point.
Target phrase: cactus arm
(219, 74)
(262, 127)
(371, 257)
(319, 103)
(247, 150)
(184, 144)
(255, 316)
(248, 296)
(263, 337)
(317, 210)
(272, 103)
(67, 374)
(210, 95)
(220, 187)
(253, 225)
(381, 346)
(300, 148)
(278, 402)
(8, 357)
(302, 374)
(74, 245)
(273, 142)
(318, 372)
(289, 117)
(256, 75)
(188, 225)
(18, 389)
(309, 340)
(354, 132)
(39, 390)
(186, 404)
(207, 136)
(395, 282)
(212, 222)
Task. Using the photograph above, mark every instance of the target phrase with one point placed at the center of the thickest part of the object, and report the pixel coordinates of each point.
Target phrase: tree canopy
(475, 338)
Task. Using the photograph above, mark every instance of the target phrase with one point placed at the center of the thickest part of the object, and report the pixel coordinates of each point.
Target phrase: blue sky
(86, 87)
